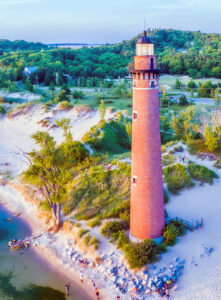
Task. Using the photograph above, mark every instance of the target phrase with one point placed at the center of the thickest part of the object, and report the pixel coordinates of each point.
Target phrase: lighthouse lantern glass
(145, 49)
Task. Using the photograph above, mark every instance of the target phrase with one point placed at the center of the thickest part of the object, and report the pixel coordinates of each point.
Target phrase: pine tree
(28, 85)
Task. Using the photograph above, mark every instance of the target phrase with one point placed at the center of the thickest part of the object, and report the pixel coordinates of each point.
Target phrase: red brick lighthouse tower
(147, 204)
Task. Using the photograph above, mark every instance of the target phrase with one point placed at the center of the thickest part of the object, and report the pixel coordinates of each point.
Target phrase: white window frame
(135, 183)
(135, 112)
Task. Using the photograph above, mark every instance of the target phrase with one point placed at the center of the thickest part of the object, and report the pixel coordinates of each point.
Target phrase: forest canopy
(179, 52)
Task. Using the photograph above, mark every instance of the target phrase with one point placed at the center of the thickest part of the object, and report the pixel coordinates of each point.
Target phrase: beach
(44, 254)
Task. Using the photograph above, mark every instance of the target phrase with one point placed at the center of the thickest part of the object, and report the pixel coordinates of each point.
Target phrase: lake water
(23, 275)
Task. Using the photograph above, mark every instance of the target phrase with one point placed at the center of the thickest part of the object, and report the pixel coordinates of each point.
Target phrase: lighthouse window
(134, 180)
(135, 115)
(151, 63)
(152, 85)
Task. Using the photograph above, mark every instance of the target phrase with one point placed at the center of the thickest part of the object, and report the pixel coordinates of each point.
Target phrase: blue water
(23, 275)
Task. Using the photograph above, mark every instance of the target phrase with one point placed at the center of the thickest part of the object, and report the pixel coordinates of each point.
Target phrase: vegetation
(172, 230)
(177, 178)
(211, 139)
(201, 173)
(142, 253)
(179, 52)
(217, 164)
(111, 137)
(82, 232)
(94, 222)
(52, 167)
(2, 110)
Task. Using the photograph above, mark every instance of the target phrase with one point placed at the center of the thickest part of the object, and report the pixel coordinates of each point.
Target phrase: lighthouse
(147, 204)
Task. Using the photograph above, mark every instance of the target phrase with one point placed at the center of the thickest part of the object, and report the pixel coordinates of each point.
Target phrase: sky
(102, 21)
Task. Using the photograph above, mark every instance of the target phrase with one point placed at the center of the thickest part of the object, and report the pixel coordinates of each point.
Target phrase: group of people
(68, 286)
(183, 159)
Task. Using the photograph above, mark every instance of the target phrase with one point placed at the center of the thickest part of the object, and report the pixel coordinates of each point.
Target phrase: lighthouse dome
(144, 39)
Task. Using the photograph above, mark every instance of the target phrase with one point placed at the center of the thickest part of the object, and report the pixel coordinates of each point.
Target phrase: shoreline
(29, 217)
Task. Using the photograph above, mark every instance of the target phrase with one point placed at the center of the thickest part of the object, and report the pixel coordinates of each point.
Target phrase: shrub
(167, 159)
(45, 206)
(162, 247)
(142, 253)
(217, 164)
(170, 234)
(177, 178)
(65, 105)
(87, 239)
(111, 227)
(94, 242)
(179, 225)
(2, 110)
(94, 222)
(122, 240)
(82, 232)
(78, 94)
(67, 208)
(178, 149)
(202, 173)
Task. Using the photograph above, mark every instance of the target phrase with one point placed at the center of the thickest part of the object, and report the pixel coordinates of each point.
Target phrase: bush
(202, 173)
(2, 110)
(177, 178)
(94, 242)
(140, 254)
(168, 159)
(45, 206)
(67, 208)
(170, 234)
(162, 247)
(82, 232)
(86, 239)
(78, 94)
(217, 164)
(122, 240)
(180, 226)
(111, 227)
(94, 222)
(65, 106)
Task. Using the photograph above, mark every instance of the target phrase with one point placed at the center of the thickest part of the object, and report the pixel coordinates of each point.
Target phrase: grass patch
(177, 178)
(168, 159)
(111, 138)
(201, 173)
(82, 232)
(94, 222)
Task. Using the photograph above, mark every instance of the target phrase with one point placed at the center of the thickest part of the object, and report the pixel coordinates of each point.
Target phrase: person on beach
(68, 285)
(167, 293)
(97, 293)
(93, 283)
(81, 277)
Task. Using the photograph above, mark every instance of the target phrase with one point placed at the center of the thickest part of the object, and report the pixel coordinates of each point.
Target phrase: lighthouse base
(134, 240)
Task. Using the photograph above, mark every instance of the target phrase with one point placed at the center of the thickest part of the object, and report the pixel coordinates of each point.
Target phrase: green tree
(183, 101)
(211, 139)
(78, 94)
(102, 110)
(51, 168)
(217, 97)
(28, 85)
(182, 123)
(178, 84)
